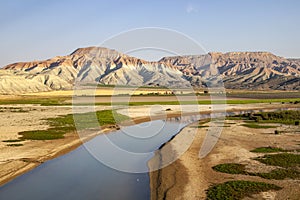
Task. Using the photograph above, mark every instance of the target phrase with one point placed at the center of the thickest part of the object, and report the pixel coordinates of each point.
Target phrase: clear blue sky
(40, 29)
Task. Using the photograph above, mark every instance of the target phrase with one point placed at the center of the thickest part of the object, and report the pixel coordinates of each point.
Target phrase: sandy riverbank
(189, 176)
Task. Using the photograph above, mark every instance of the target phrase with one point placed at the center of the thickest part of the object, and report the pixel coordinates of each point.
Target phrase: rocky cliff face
(239, 70)
(87, 66)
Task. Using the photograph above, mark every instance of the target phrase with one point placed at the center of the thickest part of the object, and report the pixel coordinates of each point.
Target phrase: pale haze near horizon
(37, 30)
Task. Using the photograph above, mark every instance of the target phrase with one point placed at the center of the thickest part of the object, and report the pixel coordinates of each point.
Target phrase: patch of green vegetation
(284, 117)
(19, 111)
(247, 101)
(280, 174)
(290, 117)
(57, 101)
(14, 145)
(16, 140)
(13, 109)
(231, 168)
(48, 134)
(65, 124)
(263, 94)
(41, 101)
(204, 121)
(234, 190)
(200, 126)
(255, 125)
(282, 160)
(267, 150)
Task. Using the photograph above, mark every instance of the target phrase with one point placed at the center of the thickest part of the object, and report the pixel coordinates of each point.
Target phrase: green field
(290, 117)
(61, 101)
(65, 124)
(255, 125)
(40, 101)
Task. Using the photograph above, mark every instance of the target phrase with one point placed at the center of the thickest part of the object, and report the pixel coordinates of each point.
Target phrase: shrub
(238, 189)
(267, 150)
(280, 174)
(281, 160)
(14, 145)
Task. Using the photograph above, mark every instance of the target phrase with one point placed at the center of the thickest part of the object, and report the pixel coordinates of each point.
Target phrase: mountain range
(98, 65)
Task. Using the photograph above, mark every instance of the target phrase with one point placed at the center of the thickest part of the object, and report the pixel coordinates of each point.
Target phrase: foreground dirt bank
(189, 176)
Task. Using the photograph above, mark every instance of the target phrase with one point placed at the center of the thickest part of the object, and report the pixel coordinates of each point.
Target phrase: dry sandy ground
(153, 110)
(189, 176)
(17, 160)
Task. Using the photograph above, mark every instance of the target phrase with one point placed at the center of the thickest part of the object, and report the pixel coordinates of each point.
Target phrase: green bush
(14, 145)
(41, 135)
(282, 160)
(16, 140)
(230, 168)
(234, 190)
(283, 117)
(267, 150)
(280, 174)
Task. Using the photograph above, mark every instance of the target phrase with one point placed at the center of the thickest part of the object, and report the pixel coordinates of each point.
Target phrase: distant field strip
(67, 101)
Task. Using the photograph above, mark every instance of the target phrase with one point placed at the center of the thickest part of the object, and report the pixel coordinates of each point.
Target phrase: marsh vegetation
(61, 125)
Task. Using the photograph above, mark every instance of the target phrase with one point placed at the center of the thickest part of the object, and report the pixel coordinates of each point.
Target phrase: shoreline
(72, 141)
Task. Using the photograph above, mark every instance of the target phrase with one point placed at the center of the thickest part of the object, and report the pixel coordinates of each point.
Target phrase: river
(81, 175)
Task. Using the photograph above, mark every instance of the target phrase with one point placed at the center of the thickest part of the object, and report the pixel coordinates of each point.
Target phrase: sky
(41, 29)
